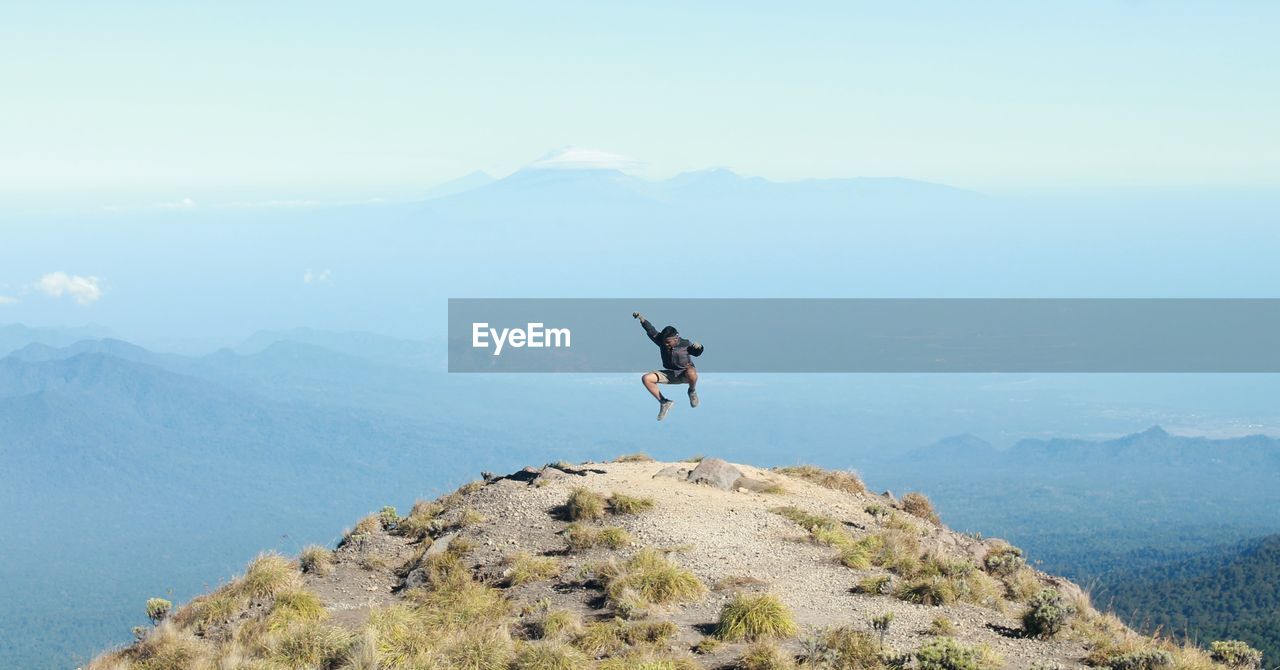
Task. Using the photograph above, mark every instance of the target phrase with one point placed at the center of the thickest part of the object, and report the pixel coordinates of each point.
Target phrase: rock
(673, 472)
(754, 485)
(715, 472)
(441, 544)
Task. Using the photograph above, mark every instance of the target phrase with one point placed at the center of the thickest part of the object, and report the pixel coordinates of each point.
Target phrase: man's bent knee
(648, 378)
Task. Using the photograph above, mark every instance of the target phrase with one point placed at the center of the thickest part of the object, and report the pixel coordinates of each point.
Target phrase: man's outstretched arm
(648, 327)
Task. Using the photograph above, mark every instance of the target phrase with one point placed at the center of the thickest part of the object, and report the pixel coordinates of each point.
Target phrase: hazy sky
(282, 100)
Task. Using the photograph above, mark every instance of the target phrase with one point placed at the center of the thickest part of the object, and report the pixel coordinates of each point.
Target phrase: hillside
(1230, 591)
(641, 564)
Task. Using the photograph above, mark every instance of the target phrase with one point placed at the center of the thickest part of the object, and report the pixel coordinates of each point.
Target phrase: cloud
(320, 277)
(57, 284)
(577, 158)
(7, 300)
(185, 203)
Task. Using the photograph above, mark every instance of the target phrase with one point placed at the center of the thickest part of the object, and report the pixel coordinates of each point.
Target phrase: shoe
(664, 408)
(693, 398)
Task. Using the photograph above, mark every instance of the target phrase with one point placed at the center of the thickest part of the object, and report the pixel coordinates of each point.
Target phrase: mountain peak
(637, 563)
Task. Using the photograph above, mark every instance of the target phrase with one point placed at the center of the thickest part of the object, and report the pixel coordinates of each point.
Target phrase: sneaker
(693, 398)
(664, 408)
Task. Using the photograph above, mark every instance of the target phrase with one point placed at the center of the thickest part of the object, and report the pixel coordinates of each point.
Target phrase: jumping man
(677, 367)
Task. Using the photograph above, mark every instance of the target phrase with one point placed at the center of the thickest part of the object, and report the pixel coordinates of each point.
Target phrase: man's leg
(650, 381)
(692, 375)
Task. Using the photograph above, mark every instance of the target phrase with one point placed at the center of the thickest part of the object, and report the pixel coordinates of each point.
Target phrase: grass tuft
(765, 656)
(918, 505)
(584, 505)
(316, 560)
(839, 480)
(524, 568)
(624, 504)
(755, 617)
(652, 578)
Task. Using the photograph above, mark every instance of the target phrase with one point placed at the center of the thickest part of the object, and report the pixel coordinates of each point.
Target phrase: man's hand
(636, 315)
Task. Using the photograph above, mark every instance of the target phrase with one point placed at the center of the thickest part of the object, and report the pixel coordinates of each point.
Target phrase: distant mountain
(1227, 592)
(372, 346)
(464, 183)
(14, 336)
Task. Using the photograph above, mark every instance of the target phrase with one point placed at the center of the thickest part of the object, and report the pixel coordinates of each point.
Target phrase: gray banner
(870, 335)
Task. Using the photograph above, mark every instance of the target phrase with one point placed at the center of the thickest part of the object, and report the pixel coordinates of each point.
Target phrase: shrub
(584, 505)
(846, 481)
(389, 517)
(1149, 658)
(876, 511)
(1235, 654)
(945, 653)
(581, 537)
(942, 626)
(881, 623)
(928, 590)
(1023, 585)
(524, 568)
(625, 504)
(548, 656)
(843, 648)
(316, 560)
(269, 574)
(765, 656)
(653, 579)
(485, 649)
(158, 609)
(918, 505)
(295, 606)
(634, 458)
(1004, 560)
(421, 520)
(874, 585)
(755, 617)
(1047, 614)
(470, 517)
(310, 645)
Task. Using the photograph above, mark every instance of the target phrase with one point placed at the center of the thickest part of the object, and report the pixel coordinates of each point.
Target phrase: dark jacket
(673, 358)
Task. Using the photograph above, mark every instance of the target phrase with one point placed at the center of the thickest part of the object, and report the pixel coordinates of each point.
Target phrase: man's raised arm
(648, 327)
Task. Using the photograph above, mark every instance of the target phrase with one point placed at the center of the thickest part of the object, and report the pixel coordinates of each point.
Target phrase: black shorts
(671, 376)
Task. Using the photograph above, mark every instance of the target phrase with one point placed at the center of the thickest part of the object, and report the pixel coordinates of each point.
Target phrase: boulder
(716, 472)
(673, 472)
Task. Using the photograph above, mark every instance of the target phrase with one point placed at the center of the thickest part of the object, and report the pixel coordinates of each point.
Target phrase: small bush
(846, 481)
(942, 627)
(1022, 585)
(1047, 614)
(584, 505)
(634, 458)
(1149, 658)
(874, 585)
(293, 607)
(652, 577)
(316, 560)
(364, 528)
(843, 648)
(755, 617)
(625, 504)
(877, 511)
(765, 656)
(1235, 654)
(918, 505)
(158, 609)
(881, 624)
(581, 537)
(945, 653)
(548, 656)
(470, 517)
(1004, 560)
(928, 590)
(524, 568)
(421, 521)
(389, 517)
(310, 645)
(269, 574)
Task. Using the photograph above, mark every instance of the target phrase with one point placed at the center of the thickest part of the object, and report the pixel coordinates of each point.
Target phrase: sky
(164, 102)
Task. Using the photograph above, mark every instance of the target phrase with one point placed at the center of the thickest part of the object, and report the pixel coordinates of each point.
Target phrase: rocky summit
(641, 564)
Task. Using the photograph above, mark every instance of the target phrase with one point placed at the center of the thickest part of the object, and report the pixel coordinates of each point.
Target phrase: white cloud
(577, 158)
(317, 277)
(7, 300)
(57, 284)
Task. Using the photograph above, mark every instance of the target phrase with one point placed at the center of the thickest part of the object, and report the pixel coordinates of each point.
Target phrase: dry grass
(634, 458)
(765, 656)
(624, 504)
(316, 560)
(584, 505)
(755, 617)
(581, 537)
(919, 505)
(295, 606)
(652, 578)
(269, 574)
(421, 520)
(525, 568)
(846, 481)
(549, 656)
